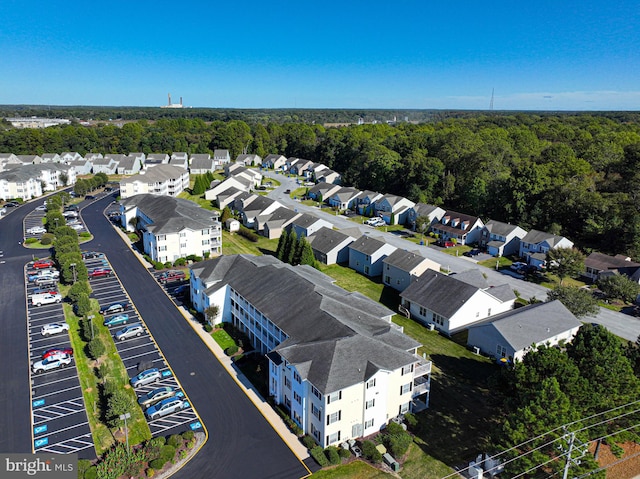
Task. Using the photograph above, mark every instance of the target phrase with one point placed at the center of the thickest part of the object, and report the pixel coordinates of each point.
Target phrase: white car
(375, 222)
(77, 227)
(36, 230)
(52, 362)
(54, 328)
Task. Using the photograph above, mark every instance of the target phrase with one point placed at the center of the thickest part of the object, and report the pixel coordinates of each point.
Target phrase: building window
(371, 383)
(317, 412)
(297, 377)
(423, 311)
(315, 392)
(502, 351)
(405, 388)
(297, 397)
(370, 403)
(183, 245)
(404, 408)
(368, 424)
(407, 369)
(162, 248)
(335, 437)
(315, 432)
(287, 382)
(333, 397)
(334, 417)
(205, 242)
(387, 279)
(183, 235)
(287, 402)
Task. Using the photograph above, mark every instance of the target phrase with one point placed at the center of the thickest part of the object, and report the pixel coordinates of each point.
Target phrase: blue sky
(542, 55)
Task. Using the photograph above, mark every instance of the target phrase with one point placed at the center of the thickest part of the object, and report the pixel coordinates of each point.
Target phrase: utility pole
(572, 438)
(573, 444)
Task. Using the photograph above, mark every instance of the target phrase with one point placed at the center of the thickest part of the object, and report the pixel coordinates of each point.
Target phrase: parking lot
(34, 228)
(140, 352)
(59, 420)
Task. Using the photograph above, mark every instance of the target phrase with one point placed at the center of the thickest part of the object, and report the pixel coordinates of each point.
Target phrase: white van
(45, 298)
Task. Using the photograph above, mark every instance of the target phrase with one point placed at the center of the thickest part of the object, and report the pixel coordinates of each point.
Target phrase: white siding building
(159, 179)
(337, 363)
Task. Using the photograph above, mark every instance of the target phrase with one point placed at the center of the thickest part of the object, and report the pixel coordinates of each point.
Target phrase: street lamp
(73, 267)
(124, 417)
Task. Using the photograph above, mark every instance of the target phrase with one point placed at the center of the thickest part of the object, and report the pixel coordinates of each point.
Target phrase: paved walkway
(261, 404)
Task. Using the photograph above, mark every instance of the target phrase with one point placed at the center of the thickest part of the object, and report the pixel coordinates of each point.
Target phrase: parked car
(44, 290)
(36, 230)
(473, 252)
(117, 320)
(172, 276)
(145, 377)
(91, 255)
(113, 308)
(445, 244)
(46, 298)
(165, 407)
(76, 227)
(71, 208)
(54, 328)
(182, 290)
(41, 208)
(73, 222)
(57, 352)
(128, 332)
(99, 273)
(518, 265)
(51, 274)
(12, 204)
(375, 222)
(50, 363)
(43, 263)
(70, 214)
(46, 282)
(156, 395)
(89, 197)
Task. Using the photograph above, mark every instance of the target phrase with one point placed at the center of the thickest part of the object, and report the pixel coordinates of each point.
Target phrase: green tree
(226, 214)
(292, 246)
(617, 286)
(282, 245)
(565, 262)
(306, 255)
(579, 301)
(120, 402)
(83, 305)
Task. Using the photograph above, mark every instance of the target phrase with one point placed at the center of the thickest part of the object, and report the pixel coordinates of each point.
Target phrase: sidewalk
(261, 404)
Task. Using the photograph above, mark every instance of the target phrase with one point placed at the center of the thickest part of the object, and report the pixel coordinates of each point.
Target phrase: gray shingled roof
(404, 260)
(325, 239)
(335, 338)
(27, 172)
(169, 214)
(156, 174)
(535, 237)
(367, 245)
(500, 228)
(305, 220)
(202, 164)
(531, 324)
(473, 277)
(438, 292)
(423, 209)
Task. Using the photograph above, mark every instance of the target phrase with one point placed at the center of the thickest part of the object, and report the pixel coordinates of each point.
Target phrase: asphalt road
(241, 442)
(623, 325)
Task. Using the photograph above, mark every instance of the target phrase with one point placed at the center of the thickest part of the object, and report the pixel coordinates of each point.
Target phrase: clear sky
(537, 55)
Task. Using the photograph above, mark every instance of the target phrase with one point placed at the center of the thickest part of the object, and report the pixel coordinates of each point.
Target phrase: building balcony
(423, 368)
(421, 385)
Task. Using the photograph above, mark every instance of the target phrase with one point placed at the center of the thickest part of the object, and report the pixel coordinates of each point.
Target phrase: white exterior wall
(23, 189)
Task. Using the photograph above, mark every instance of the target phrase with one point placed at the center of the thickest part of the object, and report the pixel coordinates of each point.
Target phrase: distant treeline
(578, 175)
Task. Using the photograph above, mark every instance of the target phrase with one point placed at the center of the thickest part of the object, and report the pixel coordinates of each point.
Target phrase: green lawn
(233, 243)
(457, 250)
(103, 436)
(353, 470)
(197, 199)
(502, 261)
(223, 339)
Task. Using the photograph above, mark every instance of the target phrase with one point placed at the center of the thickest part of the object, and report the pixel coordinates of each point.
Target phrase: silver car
(52, 362)
(165, 407)
(131, 331)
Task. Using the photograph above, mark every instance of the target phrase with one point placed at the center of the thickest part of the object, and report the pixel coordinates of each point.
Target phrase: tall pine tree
(292, 245)
(282, 244)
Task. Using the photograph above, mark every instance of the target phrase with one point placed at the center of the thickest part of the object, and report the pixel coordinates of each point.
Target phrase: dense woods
(576, 175)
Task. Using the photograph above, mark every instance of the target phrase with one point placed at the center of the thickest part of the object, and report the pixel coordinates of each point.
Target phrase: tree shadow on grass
(462, 410)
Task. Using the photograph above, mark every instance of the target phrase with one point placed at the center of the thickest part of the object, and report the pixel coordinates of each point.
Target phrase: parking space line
(152, 361)
(40, 385)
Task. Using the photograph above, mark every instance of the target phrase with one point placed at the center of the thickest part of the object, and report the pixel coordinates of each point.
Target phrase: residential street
(620, 324)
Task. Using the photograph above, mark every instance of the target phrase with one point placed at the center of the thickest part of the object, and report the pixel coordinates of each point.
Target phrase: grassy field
(223, 339)
(353, 470)
(233, 243)
(197, 199)
(103, 436)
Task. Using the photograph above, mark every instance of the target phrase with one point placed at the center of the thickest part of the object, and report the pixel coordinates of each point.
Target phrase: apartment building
(160, 179)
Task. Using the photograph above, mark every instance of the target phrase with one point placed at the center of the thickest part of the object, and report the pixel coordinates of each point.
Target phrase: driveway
(622, 325)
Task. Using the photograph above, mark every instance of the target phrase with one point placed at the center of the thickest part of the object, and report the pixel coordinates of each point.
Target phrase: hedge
(332, 455)
(175, 440)
(188, 435)
(309, 442)
(318, 454)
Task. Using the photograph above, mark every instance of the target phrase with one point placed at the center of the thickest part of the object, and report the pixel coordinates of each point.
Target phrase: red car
(100, 273)
(172, 276)
(43, 263)
(57, 352)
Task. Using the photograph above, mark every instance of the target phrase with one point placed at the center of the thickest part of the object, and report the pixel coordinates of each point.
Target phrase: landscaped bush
(208, 328)
(180, 262)
(249, 234)
(168, 264)
(157, 464)
(318, 454)
(370, 452)
(308, 442)
(332, 455)
(167, 452)
(96, 348)
(157, 265)
(396, 439)
(150, 472)
(83, 305)
(85, 234)
(83, 465)
(91, 473)
(344, 453)
(231, 350)
(32, 240)
(175, 440)
(411, 420)
(188, 435)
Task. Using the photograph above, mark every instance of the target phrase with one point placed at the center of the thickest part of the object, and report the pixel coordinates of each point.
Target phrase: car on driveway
(165, 407)
(375, 222)
(113, 309)
(99, 273)
(171, 276)
(57, 352)
(156, 395)
(51, 363)
(518, 266)
(145, 377)
(117, 320)
(42, 264)
(471, 253)
(54, 328)
(131, 331)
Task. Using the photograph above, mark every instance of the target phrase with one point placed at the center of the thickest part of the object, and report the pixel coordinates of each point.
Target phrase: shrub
(175, 440)
(332, 455)
(208, 328)
(91, 473)
(168, 264)
(231, 350)
(157, 464)
(396, 439)
(96, 348)
(83, 305)
(188, 435)
(183, 454)
(411, 420)
(77, 289)
(85, 234)
(150, 472)
(83, 465)
(370, 452)
(309, 442)
(167, 452)
(34, 240)
(344, 453)
(318, 454)
(158, 265)
(180, 262)
(247, 233)
(192, 443)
